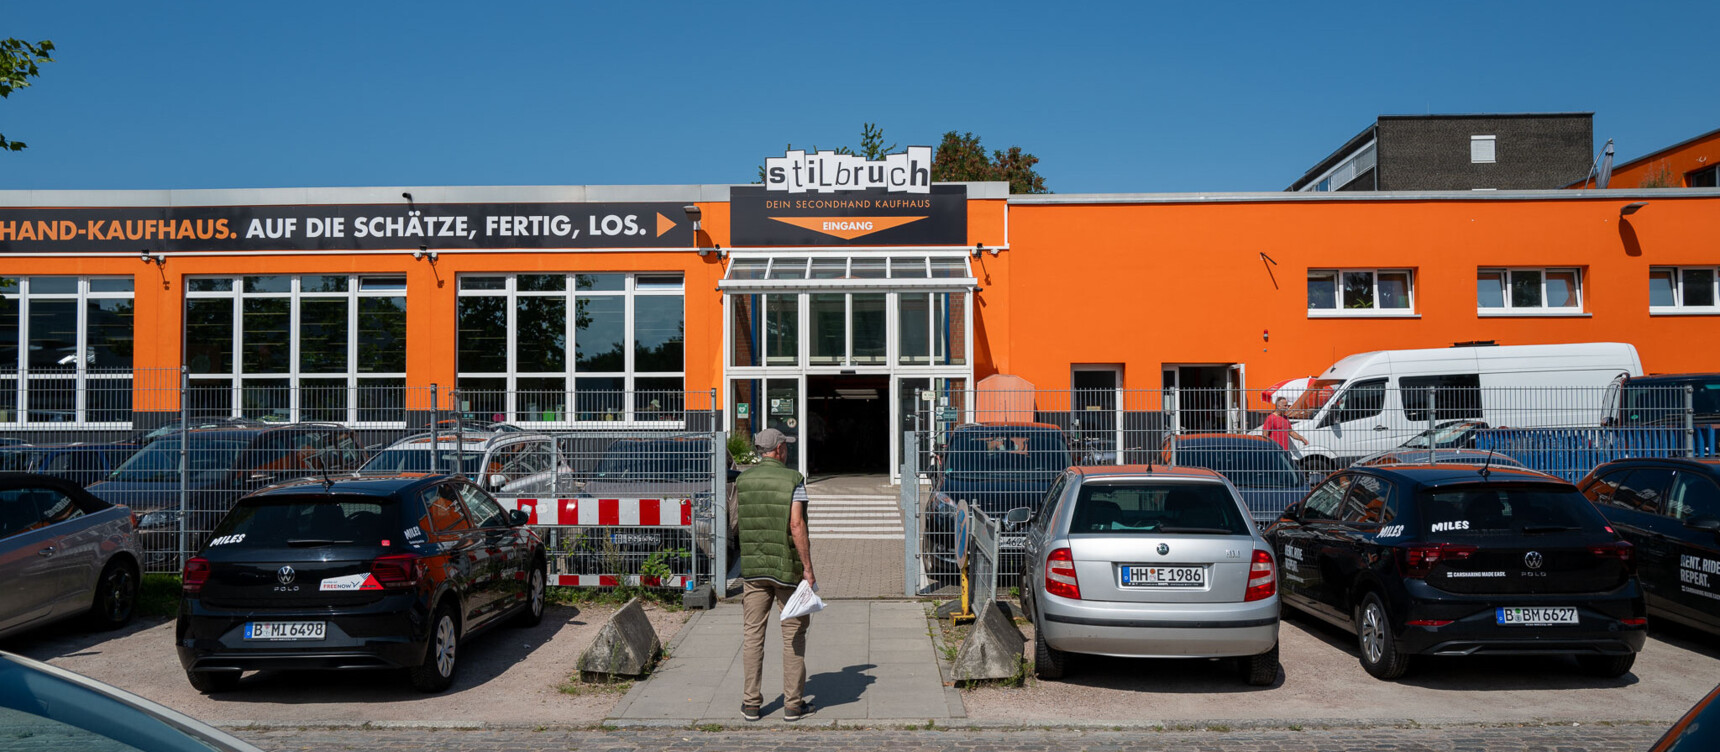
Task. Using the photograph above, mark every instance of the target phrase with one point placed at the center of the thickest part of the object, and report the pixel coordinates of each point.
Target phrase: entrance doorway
(1208, 398)
(847, 424)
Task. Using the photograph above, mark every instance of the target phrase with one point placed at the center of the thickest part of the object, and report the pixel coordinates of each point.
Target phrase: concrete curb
(946, 669)
(1217, 726)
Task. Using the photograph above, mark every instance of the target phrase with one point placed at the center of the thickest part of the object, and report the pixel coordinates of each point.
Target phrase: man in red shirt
(1278, 425)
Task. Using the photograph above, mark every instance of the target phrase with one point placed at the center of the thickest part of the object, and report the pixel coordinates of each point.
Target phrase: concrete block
(992, 650)
(627, 645)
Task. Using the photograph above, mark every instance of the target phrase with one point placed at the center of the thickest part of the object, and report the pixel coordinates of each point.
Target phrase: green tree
(18, 64)
(961, 157)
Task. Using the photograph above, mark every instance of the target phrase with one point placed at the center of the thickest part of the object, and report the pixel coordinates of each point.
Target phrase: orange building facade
(825, 312)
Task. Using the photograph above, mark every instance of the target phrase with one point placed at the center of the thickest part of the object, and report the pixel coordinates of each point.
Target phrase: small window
(1323, 503)
(1693, 497)
(1455, 397)
(484, 509)
(1644, 490)
(1707, 177)
(1481, 149)
(1340, 292)
(1530, 290)
(445, 512)
(1363, 400)
(1683, 289)
(1370, 502)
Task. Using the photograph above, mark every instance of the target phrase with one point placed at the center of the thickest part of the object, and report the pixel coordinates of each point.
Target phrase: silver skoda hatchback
(1149, 561)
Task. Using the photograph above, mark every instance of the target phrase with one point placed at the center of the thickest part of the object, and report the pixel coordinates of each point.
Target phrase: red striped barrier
(605, 512)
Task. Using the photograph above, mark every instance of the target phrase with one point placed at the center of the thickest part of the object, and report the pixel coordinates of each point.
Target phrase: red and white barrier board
(605, 512)
(613, 580)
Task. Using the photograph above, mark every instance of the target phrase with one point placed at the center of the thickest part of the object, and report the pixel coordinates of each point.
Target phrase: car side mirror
(1292, 512)
(518, 517)
(1018, 515)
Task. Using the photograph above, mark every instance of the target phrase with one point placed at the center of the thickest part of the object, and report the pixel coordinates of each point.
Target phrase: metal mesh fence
(1003, 450)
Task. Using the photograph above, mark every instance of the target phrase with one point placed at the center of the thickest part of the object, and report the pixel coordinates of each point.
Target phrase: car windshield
(1007, 450)
(1263, 467)
(1664, 402)
(1313, 398)
(1492, 511)
(655, 462)
(423, 460)
(278, 522)
(1156, 508)
(159, 462)
(1444, 437)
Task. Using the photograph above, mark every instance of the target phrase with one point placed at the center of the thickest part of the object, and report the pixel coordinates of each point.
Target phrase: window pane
(381, 335)
(209, 285)
(9, 309)
(748, 268)
(108, 400)
(951, 329)
(386, 284)
(908, 268)
(743, 330)
(782, 330)
(53, 285)
(540, 334)
(8, 400)
(111, 284)
(1698, 287)
(949, 268)
(540, 282)
(541, 399)
(322, 283)
(600, 282)
(866, 268)
(1525, 289)
(914, 310)
(483, 283)
(274, 283)
(829, 328)
(266, 338)
(600, 329)
(599, 398)
(1660, 282)
(109, 333)
(788, 268)
(657, 282)
(265, 399)
(51, 400)
(482, 399)
(1562, 289)
(322, 336)
(1358, 290)
(53, 335)
(1490, 289)
(322, 399)
(829, 268)
(869, 334)
(210, 398)
(658, 398)
(381, 400)
(659, 333)
(209, 335)
(483, 335)
(1394, 290)
(1322, 290)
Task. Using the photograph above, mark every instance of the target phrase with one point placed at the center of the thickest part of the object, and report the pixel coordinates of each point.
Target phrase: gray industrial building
(1516, 151)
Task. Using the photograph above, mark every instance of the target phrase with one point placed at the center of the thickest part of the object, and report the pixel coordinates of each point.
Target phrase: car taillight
(396, 570)
(1262, 580)
(1635, 621)
(1621, 550)
(196, 573)
(1419, 559)
(1060, 575)
(1428, 622)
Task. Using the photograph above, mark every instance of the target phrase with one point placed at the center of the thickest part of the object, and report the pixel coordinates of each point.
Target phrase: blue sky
(1126, 97)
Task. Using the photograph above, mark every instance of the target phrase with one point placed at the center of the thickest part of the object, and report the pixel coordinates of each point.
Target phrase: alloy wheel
(445, 646)
(1372, 633)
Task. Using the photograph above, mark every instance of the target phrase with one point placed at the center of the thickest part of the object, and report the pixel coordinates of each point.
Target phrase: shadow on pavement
(71, 638)
(1160, 675)
(834, 688)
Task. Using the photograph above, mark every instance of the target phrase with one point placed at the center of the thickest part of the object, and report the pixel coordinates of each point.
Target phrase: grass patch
(668, 600)
(577, 686)
(709, 728)
(1221, 728)
(158, 596)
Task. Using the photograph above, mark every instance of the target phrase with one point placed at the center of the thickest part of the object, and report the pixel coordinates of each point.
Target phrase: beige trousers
(756, 598)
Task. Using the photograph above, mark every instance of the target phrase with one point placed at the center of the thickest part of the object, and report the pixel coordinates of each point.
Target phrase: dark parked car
(357, 573)
(1475, 457)
(994, 467)
(1265, 473)
(1448, 560)
(46, 707)
(81, 463)
(1669, 508)
(222, 464)
(1697, 731)
(63, 553)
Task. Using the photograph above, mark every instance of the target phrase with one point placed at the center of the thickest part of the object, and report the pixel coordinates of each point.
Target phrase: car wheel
(210, 682)
(1048, 662)
(436, 673)
(532, 614)
(1381, 655)
(1319, 464)
(1606, 666)
(116, 596)
(1261, 670)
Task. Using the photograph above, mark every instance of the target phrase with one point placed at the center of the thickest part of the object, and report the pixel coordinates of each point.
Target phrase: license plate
(286, 630)
(1164, 576)
(1527, 617)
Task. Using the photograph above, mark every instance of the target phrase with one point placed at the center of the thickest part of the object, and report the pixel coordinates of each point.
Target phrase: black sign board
(869, 217)
(344, 227)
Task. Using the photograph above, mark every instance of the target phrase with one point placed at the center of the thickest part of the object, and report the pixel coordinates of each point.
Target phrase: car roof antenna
(328, 483)
(1486, 464)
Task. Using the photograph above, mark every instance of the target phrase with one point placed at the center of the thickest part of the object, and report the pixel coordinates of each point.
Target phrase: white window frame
(1679, 308)
(1483, 149)
(81, 376)
(630, 293)
(1508, 310)
(1374, 312)
(294, 377)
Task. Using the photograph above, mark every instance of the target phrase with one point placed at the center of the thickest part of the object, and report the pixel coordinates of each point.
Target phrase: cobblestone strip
(779, 739)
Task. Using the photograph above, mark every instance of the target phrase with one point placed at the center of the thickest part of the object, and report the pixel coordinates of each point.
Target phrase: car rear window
(1156, 508)
(1458, 513)
(310, 520)
(1007, 450)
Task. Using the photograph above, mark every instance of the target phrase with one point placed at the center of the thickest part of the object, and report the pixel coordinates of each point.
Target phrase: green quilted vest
(765, 494)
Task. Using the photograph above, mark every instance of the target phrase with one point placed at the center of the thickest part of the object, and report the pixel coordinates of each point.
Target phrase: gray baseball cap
(770, 439)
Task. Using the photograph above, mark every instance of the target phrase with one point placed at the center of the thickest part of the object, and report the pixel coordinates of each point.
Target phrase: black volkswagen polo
(354, 573)
(1457, 560)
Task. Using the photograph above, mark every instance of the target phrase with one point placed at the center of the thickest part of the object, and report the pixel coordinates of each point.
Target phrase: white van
(1374, 401)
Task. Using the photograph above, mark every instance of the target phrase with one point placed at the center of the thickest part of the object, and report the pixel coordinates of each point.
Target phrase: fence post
(910, 513)
(1432, 451)
(459, 454)
(184, 466)
(435, 417)
(720, 512)
(1689, 421)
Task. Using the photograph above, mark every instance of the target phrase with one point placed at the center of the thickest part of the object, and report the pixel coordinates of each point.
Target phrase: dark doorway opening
(847, 424)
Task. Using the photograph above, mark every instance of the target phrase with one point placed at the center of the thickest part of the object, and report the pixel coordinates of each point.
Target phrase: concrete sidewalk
(865, 661)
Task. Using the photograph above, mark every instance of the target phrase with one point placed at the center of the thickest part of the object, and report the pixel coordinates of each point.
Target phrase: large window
(1528, 291)
(1683, 289)
(291, 348)
(572, 347)
(1361, 292)
(65, 349)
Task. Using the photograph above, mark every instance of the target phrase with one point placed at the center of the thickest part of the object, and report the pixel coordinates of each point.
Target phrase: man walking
(776, 554)
(1278, 424)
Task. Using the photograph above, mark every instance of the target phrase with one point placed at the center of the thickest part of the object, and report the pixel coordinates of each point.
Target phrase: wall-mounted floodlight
(1630, 209)
(424, 252)
(155, 258)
